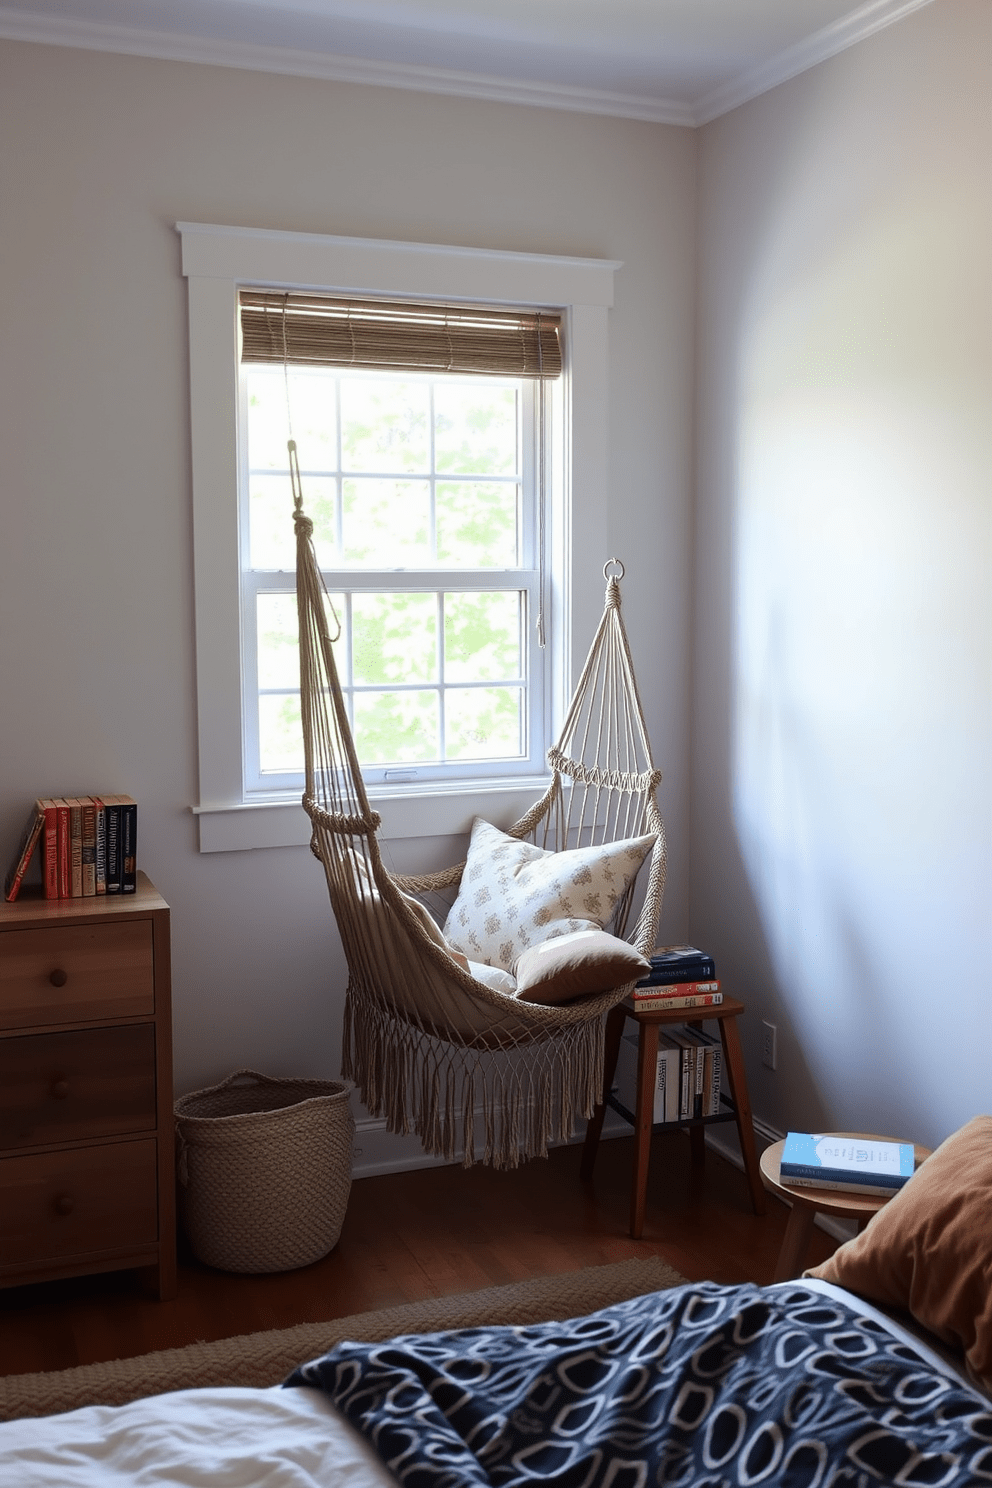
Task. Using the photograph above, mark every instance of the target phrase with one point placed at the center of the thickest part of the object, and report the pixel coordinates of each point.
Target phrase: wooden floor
(415, 1235)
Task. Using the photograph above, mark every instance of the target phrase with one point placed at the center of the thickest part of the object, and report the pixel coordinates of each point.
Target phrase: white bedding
(223, 1438)
(240, 1438)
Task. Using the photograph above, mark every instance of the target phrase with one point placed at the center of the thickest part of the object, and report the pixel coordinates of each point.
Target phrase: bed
(874, 1368)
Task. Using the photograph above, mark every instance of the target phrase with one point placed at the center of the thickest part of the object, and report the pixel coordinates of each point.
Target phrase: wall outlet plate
(769, 1045)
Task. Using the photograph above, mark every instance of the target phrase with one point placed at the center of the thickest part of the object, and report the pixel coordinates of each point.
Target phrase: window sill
(412, 812)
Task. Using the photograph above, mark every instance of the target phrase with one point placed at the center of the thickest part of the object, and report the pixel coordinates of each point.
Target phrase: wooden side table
(737, 1106)
(807, 1203)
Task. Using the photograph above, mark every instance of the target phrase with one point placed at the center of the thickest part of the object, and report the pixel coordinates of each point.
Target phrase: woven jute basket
(264, 1170)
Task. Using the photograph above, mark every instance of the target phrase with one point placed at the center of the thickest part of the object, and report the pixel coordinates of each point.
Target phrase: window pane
(482, 637)
(475, 427)
(278, 641)
(273, 538)
(396, 727)
(311, 398)
(484, 723)
(395, 638)
(267, 426)
(477, 524)
(312, 395)
(280, 733)
(386, 524)
(385, 425)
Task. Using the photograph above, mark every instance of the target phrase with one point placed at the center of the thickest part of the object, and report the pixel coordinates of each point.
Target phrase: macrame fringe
(525, 1100)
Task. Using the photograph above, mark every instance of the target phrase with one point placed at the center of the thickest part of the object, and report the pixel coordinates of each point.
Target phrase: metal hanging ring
(607, 565)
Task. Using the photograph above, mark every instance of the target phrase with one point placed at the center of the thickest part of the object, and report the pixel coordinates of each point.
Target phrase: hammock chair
(429, 1047)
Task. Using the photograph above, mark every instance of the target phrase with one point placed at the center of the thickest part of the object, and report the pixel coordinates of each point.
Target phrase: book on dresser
(121, 828)
(850, 1164)
(63, 816)
(87, 812)
(25, 852)
(75, 804)
(49, 848)
(100, 846)
(87, 847)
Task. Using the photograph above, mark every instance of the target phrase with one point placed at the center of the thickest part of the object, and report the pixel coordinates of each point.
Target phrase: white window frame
(216, 262)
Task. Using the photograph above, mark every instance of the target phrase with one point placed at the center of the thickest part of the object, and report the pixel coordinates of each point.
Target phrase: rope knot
(302, 524)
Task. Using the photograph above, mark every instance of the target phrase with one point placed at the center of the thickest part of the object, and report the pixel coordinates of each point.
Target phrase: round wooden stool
(808, 1202)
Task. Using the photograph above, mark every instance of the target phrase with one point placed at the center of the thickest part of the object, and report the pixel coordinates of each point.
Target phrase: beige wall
(101, 155)
(841, 805)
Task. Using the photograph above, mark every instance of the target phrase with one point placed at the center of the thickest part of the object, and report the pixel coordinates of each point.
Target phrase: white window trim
(216, 260)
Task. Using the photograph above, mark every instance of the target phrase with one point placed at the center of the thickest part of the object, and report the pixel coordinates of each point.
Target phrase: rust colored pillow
(929, 1250)
(578, 964)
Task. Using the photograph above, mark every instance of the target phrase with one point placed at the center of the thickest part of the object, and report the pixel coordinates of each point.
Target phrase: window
(430, 542)
(419, 439)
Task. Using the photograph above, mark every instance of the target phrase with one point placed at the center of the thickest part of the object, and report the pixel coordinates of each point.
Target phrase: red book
(50, 847)
(25, 849)
(63, 816)
(675, 989)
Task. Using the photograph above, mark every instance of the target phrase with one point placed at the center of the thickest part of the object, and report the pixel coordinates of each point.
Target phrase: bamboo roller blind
(319, 330)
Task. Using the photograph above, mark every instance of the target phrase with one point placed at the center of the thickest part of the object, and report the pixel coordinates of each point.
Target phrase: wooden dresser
(87, 1152)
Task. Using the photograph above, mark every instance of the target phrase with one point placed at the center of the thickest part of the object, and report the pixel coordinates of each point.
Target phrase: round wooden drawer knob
(60, 1089)
(58, 977)
(65, 1204)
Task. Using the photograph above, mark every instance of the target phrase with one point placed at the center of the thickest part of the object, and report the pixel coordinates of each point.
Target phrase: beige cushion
(929, 1250)
(579, 964)
(490, 976)
(514, 895)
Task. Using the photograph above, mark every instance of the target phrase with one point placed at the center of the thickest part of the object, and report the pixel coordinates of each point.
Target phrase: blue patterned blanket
(703, 1385)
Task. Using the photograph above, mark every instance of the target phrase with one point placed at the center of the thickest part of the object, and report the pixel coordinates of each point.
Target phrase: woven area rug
(260, 1359)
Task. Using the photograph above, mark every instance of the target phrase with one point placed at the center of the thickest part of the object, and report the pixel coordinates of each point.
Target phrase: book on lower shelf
(687, 1077)
(849, 1164)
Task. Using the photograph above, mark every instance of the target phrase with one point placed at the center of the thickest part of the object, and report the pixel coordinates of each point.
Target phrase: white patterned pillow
(514, 895)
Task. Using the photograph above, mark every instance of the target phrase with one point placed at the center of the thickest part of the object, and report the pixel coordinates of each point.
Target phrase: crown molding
(837, 37)
(875, 15)
(174, 47)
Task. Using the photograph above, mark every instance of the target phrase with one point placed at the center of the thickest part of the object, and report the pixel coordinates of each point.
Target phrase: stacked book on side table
(87, 844)
(690, 1061)
(680, 977)
(850, 1164)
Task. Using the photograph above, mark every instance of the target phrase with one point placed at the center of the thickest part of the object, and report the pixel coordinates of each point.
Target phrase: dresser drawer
(74, 973)
(57, 1205)
(71, 1087)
